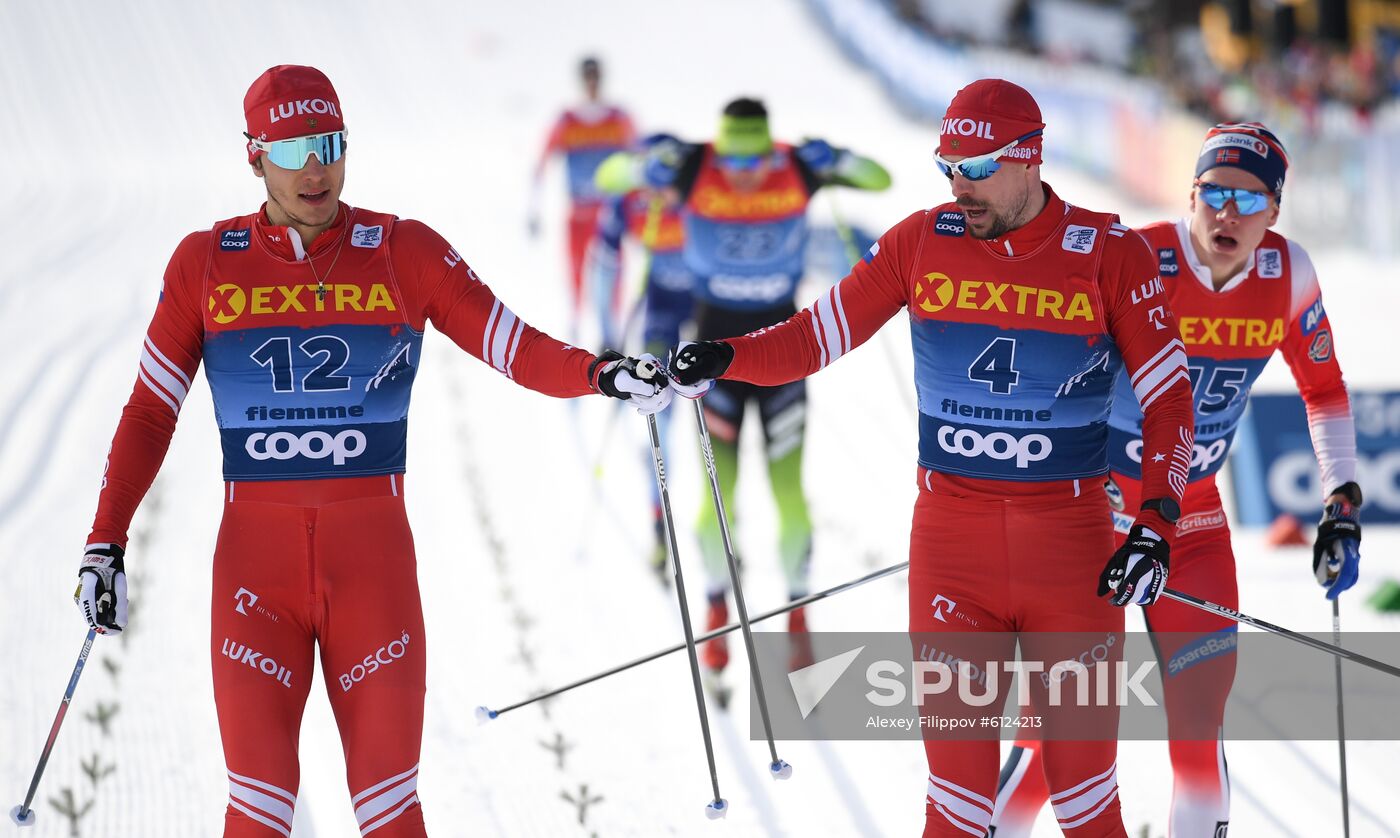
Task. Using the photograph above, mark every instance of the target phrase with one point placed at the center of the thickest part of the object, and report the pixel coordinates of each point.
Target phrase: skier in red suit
(1023, 309)
(584, 135)
(309, 317)
(1241, 293)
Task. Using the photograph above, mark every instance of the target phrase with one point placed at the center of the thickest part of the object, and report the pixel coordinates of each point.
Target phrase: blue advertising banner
(1274, 469)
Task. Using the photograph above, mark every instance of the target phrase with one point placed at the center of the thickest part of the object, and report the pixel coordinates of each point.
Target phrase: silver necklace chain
(311, 262)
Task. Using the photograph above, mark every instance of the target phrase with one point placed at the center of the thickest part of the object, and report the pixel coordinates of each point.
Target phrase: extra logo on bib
(1079, 239)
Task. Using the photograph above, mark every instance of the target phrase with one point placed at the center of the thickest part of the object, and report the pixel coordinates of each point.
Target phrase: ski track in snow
(127, 120)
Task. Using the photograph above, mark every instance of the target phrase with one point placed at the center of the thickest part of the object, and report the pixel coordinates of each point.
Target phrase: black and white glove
(1137, 572)
(101, 593)
(1337, 550)
(695, 365)
(637, 381)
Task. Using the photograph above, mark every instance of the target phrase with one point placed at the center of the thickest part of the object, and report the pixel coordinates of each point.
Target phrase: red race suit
(1017, 342)
(585, 135)
(311, 381)
(1272, 305)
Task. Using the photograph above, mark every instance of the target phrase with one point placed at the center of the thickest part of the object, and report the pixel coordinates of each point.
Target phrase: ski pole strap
(1231, 614)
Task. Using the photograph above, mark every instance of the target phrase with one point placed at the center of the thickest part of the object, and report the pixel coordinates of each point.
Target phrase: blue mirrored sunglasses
(1247, 202)
(291, 154)
(982, 166)
(740, 162)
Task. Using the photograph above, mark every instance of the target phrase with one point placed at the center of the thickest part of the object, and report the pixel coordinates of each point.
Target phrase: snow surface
(121, 133)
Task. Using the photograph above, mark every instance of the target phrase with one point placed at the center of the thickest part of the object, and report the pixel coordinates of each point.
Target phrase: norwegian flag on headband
(1248, 146)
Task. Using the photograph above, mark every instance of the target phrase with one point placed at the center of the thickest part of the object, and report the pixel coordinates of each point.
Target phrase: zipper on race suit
(311, 554)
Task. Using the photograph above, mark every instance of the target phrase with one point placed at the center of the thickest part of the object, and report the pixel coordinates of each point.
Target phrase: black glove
(1337, 550)
(693, 363)
(101, 593)
(1137, 572)
(637, 381)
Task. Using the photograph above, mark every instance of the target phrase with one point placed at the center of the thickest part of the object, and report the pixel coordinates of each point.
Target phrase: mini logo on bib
(234, 240)
(1166, 262)
(950, 224)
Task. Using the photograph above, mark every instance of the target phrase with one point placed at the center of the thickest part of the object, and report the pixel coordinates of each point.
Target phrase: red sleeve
(839, 321)
(170, 357)
(1149, 339)
(439, 286)
(551, 145)
(1309, 349)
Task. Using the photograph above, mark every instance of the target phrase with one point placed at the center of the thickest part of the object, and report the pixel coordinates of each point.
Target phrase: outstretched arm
(839, 321)
(824, 165)
(440, 285)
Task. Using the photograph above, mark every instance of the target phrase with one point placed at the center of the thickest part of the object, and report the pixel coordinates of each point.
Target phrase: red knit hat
(988, 114)
(291, 101)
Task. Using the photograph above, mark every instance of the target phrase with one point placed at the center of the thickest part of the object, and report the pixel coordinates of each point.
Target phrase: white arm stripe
(151, 385)
(486, 334)
(1179, 375)
(497, 349)
(175, 368)
(1173, 344)
(518, 330)
(1160, 373)
(833, 333)
(162, 382)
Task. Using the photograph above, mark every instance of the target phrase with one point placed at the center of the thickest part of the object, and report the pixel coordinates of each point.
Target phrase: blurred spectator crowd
(1303, 65)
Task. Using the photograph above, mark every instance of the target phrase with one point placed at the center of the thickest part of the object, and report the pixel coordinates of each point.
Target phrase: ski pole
(651, 229)
(1341, 720)
(22, 815)
(485, 714)
(1232, 614)
(777, 767)
(718, 807)
(649, 233)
